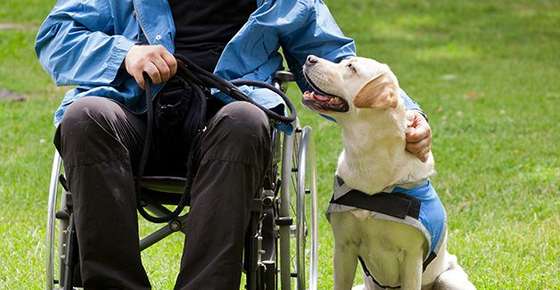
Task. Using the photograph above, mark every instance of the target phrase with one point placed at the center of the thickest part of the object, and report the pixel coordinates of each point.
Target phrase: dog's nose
(311, 60)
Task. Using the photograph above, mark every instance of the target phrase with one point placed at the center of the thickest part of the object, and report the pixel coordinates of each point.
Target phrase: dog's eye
(351, 67)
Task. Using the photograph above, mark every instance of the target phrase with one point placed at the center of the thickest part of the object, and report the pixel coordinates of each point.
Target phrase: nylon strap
(394, 204)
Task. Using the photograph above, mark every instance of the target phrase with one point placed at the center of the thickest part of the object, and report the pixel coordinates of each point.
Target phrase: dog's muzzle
(321, 101)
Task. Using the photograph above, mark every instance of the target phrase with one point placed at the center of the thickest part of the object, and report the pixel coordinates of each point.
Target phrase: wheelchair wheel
(306, 212)
(299, 200)
(54, 247)
(62, 252)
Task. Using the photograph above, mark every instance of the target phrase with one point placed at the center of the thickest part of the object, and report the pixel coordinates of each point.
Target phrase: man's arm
(419, 133)
(316, 33)
(74, 46)
(320, 35)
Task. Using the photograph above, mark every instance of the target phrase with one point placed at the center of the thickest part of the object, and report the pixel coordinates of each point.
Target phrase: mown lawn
(486, 72)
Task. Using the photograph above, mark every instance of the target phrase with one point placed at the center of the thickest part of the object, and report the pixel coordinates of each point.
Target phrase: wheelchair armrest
(283, 76)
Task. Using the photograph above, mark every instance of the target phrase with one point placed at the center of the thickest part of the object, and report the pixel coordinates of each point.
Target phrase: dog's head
(347, 87)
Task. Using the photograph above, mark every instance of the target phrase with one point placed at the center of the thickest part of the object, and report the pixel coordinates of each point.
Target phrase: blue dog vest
(418, 206)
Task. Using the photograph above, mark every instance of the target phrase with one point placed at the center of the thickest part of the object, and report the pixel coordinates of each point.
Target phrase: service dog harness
(416, 205)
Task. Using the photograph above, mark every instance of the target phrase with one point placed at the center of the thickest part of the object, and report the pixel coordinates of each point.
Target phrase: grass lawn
(486, 72)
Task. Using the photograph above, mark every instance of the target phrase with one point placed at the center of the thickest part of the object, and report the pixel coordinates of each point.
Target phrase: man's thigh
(97, 129)
(238, 132)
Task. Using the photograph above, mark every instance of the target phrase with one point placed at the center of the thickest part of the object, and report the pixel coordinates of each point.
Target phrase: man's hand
(418, 135)
(155, 60)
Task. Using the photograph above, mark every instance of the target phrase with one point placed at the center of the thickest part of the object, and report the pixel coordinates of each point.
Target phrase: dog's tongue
(321, 97)
(316, 96)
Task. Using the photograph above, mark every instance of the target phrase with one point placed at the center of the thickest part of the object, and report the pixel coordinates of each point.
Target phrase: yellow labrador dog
(384, 213)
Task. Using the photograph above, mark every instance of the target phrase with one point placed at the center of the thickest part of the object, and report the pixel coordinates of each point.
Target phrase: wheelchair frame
(274, 229)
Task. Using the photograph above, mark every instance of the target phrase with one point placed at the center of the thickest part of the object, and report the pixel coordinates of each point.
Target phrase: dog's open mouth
(320, 101)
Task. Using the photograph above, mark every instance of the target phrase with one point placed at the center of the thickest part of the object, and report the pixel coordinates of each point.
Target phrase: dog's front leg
(345, 249)
(345, 262)
(411, 271)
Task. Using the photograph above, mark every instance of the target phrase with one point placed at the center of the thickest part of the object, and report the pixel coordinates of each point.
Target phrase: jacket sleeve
(409, 103)
(319, 35)
(74, 44)
(316, 33)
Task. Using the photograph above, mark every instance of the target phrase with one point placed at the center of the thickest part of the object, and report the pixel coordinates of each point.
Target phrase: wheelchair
(281, 246)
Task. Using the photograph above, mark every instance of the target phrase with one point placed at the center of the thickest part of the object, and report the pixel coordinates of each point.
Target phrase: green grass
(486, 72)
(31, 12)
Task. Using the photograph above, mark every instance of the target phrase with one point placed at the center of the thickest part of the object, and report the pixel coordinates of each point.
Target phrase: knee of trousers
(245, 122)
(85, 118)
(242, 129)
(88, 132)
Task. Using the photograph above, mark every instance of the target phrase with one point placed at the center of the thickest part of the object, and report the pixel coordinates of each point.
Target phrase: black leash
(200, 81)
(194, 73)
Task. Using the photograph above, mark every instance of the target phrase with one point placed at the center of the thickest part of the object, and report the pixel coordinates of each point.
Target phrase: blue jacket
(84, 43)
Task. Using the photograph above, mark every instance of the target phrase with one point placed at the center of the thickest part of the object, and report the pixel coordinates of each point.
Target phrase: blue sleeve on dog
(409, 103)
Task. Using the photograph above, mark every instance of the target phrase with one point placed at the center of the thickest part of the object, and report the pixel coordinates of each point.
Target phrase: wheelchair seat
(163, 190)
(168, 184)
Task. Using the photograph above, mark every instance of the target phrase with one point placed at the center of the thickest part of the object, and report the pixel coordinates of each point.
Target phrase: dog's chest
(374, 155)
(373, 171)
(417, 206)
(383, 228)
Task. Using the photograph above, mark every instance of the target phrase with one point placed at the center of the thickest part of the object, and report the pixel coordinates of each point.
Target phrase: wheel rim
(284, 211)
(51, 219)
(306, 213)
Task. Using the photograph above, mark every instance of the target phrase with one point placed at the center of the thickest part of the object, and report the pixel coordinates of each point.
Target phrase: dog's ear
(380, 92)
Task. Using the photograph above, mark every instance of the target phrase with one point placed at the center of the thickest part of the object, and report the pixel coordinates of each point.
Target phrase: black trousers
(100, 143)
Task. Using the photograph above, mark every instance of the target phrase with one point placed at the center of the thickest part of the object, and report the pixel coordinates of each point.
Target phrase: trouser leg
(98, 140)
(235, 149)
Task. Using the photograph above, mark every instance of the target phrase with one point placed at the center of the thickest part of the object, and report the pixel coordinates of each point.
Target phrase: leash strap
(185, 197)
(367, 273)
(200, 80)
(194, 73)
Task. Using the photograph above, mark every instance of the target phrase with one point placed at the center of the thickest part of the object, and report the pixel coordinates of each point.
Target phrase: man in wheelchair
(104, 48)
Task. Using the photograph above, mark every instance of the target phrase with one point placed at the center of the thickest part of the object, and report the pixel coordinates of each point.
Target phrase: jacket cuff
(120, 49)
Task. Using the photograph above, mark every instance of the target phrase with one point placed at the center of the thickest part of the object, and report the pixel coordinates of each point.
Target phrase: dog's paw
(453, 279)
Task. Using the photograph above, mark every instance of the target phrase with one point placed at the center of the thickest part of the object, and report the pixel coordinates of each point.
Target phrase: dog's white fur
(374, 158)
